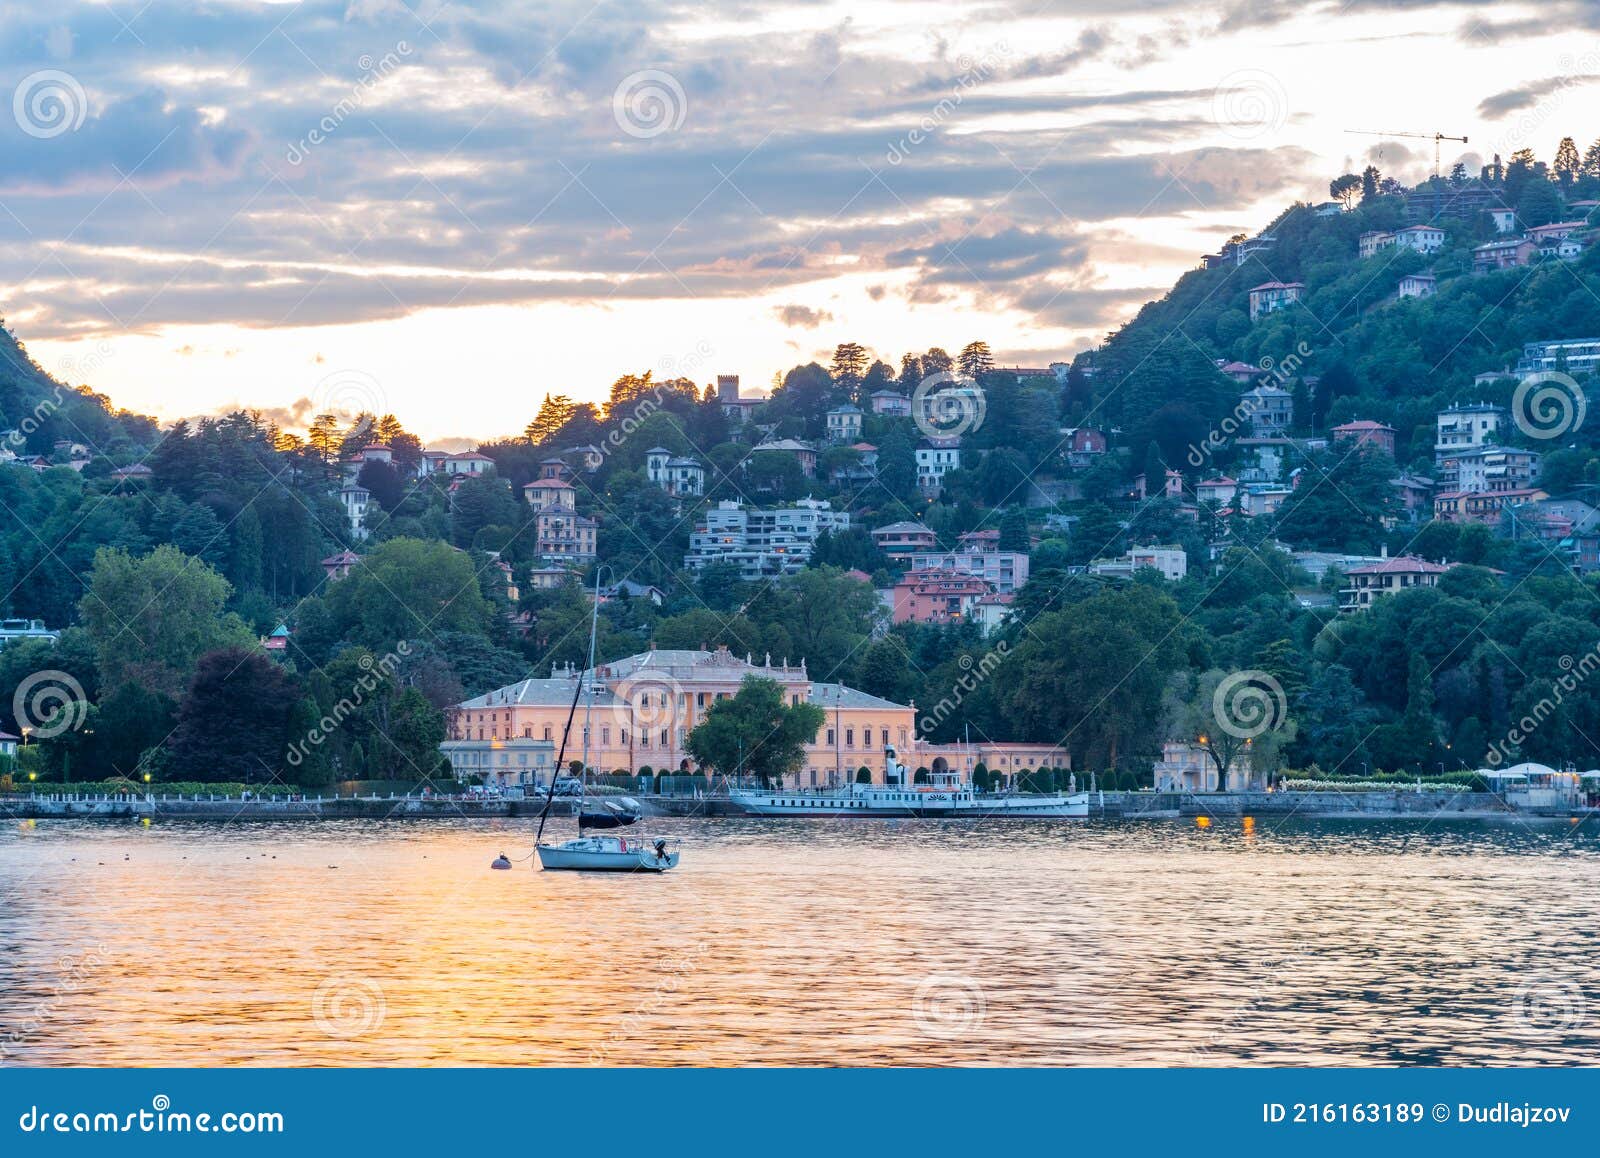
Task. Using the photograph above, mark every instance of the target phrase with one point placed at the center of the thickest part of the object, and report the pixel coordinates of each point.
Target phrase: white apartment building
(1459, 429)
(1172, 562)
(935, 458)
(1006, 570)
(764, 544)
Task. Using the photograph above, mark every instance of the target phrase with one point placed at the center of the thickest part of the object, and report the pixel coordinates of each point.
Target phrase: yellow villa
(645, 706)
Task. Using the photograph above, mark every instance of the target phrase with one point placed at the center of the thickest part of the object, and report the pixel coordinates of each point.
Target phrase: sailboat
(605, 851)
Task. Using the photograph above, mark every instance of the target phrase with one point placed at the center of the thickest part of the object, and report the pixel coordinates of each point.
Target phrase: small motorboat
(613, 854)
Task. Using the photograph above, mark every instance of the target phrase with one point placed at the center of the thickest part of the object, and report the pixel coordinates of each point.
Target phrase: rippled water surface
(788, 943)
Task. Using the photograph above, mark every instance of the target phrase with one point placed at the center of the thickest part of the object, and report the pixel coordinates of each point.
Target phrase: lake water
(799, 943)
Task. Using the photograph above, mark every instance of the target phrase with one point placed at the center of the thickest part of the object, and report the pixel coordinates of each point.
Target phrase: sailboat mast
(588, 702)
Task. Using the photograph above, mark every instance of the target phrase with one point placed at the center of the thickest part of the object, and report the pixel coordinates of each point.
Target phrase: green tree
(152, 618)
(755, 732)
(975, 359)
(408, 589)
(233, 722)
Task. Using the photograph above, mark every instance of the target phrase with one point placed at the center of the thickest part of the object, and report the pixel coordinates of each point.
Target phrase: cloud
(1529, 95)
(801, 317)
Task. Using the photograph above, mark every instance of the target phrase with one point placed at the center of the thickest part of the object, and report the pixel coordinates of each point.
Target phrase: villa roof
(1271, 285)
(687, 667)
(548, 483)
(470, 456)
(903, 528)
(1400, 564)
(342, 559)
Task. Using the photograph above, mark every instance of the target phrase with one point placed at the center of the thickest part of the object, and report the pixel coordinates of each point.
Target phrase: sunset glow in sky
(446, 210)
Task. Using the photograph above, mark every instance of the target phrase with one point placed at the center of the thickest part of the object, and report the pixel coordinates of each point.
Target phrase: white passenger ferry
(945, 795)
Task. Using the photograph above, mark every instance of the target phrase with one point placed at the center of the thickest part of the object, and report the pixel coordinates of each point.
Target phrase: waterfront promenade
(395, 806)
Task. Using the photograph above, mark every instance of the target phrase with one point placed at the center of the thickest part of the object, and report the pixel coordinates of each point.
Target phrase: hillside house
(1271, 296)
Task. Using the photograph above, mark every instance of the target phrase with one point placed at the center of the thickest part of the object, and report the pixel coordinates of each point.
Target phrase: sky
(447, 210)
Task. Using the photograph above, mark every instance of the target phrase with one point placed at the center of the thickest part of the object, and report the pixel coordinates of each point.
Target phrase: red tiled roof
(1401, 564)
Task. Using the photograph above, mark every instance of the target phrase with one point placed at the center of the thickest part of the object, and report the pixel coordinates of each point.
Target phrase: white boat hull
(605, 854)
(873, 803)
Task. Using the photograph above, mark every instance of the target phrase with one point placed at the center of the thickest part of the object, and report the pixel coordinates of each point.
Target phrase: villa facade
(645, 706)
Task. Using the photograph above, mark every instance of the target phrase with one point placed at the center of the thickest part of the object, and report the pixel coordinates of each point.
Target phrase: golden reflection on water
(790, 943)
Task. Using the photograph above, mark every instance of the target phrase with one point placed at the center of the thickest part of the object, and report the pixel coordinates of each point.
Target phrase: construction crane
(1434, 137)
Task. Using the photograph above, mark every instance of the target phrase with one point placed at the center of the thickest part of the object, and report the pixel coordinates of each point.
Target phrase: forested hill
(1352, 348)
(40, 411)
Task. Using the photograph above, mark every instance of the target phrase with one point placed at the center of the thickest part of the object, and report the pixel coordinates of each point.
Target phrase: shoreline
(1366, 804)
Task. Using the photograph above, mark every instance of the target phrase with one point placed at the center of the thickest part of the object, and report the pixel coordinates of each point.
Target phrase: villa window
(605, 737)
(546, 732)
(849, 737)
(664, 740)
(830, 735)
